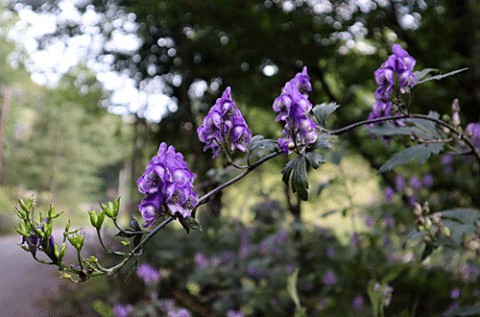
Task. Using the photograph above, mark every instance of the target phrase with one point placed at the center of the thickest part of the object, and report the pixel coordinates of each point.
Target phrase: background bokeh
(91, 88)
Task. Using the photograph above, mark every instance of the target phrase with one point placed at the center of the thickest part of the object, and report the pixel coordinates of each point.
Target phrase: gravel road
(23, 282)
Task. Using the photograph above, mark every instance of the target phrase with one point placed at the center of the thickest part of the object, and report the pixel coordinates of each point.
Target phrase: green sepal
(77, 241)
(111, 209)
(96, 219)
(190, 223)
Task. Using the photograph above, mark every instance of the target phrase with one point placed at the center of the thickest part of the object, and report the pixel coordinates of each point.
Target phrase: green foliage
(295, 175)
(419, 152)
(67, 146)
(323, 111)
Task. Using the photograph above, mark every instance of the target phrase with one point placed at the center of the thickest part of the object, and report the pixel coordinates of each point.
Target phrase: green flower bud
(417, 209)
(25, 206)
(96, 219)
(446, 231)
(426, 208)
(111, 209)
(77, 240)
(428, 223)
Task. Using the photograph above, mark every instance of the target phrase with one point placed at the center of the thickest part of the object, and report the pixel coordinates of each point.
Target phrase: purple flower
(473, 130)
(234, 313)
(223, 125)
(329, 278)
(415, 183)
(400, 63)
(412, 200)
(293, 107)
(357, 302)
(470, 272)
(455, 293)
(428, 180)
(368, 221)
(330, 252)
(387, 295)
(148, 273)
(201, 260)
(388, 194)
(168, 185)
(34, 241)
(182, 312)
(120, 310)
(399, 183)
(388, 221)
(355, 240)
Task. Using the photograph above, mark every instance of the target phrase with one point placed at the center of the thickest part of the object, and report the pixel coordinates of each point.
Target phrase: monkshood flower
(293, 107)
(329, 278)
(397, 70)
(357, 302)
(473, 130)
(234, 313)
(34, 241)
(120, 310)
(223, 125)
(148, 273)
(168, 185)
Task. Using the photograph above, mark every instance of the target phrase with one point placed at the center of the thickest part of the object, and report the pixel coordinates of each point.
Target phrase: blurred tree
(192, 50)
(66, 145)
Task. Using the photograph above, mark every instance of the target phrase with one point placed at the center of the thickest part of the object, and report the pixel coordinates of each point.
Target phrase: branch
(219, 188)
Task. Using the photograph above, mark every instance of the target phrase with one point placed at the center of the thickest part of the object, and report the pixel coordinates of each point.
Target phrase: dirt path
(23, 282)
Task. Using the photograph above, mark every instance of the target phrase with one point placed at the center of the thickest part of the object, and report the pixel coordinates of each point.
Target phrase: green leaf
(190, 223)
(422, 128)
(292, 288)
(323, 111)
(389, 129)
(134, 224)
(429, 248)
(259, 142)
(462, 215)
(323, 142)
(420, 152)
(297, 169)
(461, 222)
(441, 76)
(315, 159)
(422, 73)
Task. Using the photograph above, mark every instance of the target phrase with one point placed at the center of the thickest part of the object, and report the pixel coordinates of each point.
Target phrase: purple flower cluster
(473, 130)
(224, 123)
(234, 313)
(148, 273)
(35, 241)
(400, 63)
(168, 185)
(120, 310)
(329, 278)
(357, 302)
(414, 185)
(293, 107)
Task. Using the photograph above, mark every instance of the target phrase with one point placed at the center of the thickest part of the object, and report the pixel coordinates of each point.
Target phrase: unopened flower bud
(446, 232)
(471, 243)
(428, 223)
(456, 119)
(417, 209)
(426, 208)
(455, 105)
(437, 218)
(96, 219)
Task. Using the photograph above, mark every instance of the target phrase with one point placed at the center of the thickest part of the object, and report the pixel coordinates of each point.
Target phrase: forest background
(68, 138)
